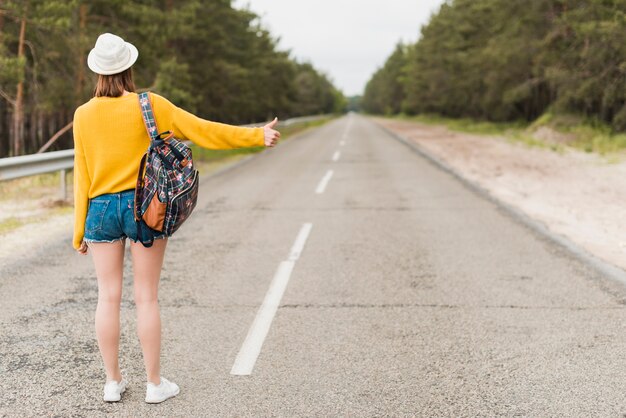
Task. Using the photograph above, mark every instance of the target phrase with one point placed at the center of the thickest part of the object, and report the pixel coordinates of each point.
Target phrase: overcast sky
(346, 39)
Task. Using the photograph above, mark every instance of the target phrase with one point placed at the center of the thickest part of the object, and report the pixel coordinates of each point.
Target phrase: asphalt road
(411, 296)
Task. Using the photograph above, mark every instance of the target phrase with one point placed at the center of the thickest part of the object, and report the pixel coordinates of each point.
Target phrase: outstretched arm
(208, 134)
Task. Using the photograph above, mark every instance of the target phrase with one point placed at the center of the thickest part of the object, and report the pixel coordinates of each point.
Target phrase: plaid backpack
(167, 183)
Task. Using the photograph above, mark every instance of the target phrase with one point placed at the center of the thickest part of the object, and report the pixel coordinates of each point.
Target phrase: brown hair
(114, 85)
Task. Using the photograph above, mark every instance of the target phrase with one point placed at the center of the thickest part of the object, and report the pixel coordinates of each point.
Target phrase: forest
(510, 60)
(204, 55)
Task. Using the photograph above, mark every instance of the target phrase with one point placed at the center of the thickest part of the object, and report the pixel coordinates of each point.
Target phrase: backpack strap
(138, 202)
(141, 238)
(149, 121)
(139, 188)
(153, 133)
(148, 116)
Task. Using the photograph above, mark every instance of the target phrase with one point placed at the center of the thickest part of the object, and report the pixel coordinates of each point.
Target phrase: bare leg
(147, 264)
(108, 259)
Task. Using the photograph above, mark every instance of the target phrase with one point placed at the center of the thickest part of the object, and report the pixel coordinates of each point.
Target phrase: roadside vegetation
(548, 131)
(204, 55)
(33, 199)
(550, 70)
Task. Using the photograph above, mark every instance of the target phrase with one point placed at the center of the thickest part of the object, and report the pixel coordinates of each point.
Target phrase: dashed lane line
(324, 182)
(251, 348)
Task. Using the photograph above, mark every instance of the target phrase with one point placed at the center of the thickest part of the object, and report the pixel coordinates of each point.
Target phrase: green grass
(514, 132)
(10, 224)
(469, 125)
(525, 137)
(203, 155)
(34, 187)
(588, 135)
(27, 191)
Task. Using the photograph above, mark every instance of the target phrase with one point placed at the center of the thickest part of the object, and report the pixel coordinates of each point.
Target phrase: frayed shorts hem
(121, 239)
(154, 238)
(97, 241)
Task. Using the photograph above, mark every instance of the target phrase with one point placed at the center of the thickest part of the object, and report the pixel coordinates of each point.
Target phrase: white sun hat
(111, 55)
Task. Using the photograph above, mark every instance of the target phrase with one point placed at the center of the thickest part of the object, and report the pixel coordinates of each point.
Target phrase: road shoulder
(577, 197)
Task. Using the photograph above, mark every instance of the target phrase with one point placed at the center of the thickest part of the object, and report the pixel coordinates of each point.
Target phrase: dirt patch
(579, 195)
(551, 136)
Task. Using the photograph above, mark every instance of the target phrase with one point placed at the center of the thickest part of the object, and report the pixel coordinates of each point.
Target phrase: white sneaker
(113, 390)
(161, 392)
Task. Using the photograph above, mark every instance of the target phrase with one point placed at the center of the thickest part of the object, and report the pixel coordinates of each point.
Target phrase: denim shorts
(110, 218)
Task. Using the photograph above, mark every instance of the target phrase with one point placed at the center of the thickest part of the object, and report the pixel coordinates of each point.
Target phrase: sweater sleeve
(205, 133)
(82, 182)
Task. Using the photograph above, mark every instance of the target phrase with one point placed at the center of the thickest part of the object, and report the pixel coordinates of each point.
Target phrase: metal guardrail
(30, 165)
(33, 164)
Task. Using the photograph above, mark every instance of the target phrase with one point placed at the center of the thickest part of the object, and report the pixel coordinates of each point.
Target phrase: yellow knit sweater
(110, 138)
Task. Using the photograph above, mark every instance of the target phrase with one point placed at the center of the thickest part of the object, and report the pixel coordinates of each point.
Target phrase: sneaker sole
(164, 399)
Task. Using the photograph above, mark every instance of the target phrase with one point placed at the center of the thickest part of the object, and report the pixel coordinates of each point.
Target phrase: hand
(271, 136)
(83, 248)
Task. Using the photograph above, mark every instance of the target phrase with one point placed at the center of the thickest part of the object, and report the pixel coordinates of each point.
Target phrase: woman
(109, 141)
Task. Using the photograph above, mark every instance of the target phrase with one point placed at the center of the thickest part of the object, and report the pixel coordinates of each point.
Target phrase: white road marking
(323, 182)
(251, 348)
(342, 143)
(298, 245)
(336, 155)
(249, 352)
